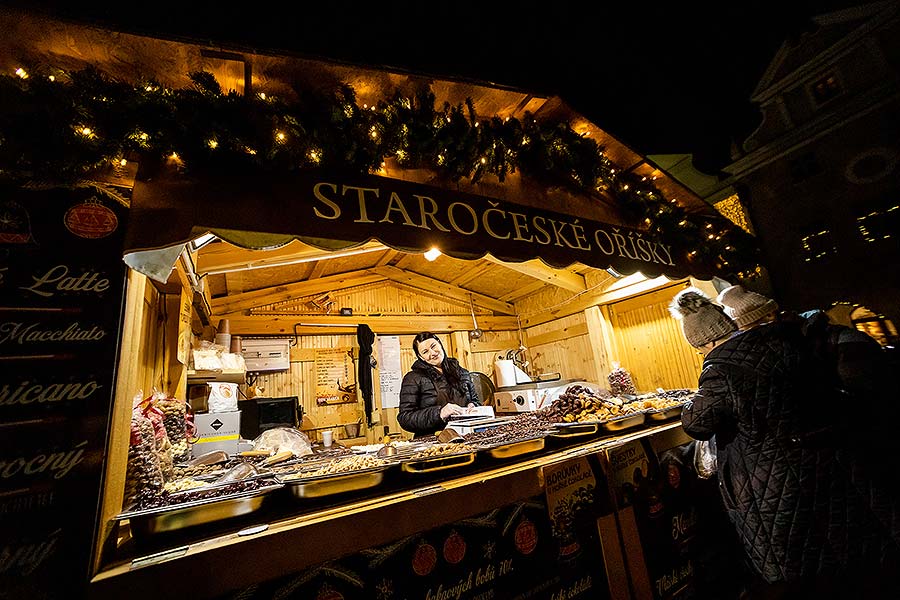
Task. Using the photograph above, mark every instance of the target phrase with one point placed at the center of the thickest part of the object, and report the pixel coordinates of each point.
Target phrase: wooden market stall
(575, 277)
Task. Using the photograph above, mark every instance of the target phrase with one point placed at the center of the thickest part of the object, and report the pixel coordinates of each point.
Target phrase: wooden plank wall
(382, 298)
(300, 381)
(563, 347)
(650, 345)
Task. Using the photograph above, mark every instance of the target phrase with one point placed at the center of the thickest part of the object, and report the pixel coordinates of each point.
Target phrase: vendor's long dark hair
(450, 366)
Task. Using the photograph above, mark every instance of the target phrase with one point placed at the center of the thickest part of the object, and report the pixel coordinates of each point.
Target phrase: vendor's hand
(450, 409)
(471, 405)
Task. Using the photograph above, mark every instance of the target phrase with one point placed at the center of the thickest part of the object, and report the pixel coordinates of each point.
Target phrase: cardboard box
(217, 431)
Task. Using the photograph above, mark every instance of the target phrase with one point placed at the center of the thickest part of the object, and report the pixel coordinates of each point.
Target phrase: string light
(636, 193)
(22, 73)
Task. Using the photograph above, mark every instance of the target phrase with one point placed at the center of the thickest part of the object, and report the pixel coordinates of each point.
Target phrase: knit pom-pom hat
(702, 321)
(744, 306)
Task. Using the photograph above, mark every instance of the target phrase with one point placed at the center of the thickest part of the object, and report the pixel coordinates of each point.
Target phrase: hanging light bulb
(432, 254)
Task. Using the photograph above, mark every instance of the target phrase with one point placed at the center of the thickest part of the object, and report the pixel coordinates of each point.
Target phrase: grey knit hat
(702, 321)
(744, 306)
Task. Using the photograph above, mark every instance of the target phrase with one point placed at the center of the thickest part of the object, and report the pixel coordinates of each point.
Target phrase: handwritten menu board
(335, 376)
(61, 293)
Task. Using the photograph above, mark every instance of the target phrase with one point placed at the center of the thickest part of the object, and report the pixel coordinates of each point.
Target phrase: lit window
(818, 245)
(879, 224)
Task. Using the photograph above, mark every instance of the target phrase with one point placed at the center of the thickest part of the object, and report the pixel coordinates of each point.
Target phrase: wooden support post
(600, 335)
(120, 431)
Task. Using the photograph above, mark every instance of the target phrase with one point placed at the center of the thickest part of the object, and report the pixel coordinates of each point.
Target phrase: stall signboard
(354, 209)
(61, 295)
(659, 488)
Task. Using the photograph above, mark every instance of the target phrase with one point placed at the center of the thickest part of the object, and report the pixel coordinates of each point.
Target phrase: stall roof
(36, 40)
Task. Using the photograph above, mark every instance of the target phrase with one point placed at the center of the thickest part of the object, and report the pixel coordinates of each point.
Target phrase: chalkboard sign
(62, 284)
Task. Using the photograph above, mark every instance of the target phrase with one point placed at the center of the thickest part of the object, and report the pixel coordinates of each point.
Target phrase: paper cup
(327, 438)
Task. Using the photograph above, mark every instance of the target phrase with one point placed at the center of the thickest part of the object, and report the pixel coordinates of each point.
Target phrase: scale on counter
(533, 395)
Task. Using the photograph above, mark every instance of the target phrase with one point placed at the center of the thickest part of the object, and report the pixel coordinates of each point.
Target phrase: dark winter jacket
(857, 362)
(779, 426)
(424, 392)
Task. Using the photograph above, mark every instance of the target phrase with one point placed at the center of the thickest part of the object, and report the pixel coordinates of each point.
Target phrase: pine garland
(61, 126)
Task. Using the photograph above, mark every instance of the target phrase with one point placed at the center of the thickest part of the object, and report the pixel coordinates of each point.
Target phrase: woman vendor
(435, 389)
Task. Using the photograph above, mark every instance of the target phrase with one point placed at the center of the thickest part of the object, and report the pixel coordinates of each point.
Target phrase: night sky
(662, 77)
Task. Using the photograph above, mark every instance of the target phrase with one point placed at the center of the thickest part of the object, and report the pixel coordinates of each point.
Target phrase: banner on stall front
(505, 554)
(336, 211)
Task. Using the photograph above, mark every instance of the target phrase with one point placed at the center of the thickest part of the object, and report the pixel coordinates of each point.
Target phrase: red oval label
(424, 559)
(526, 537)
(454, 548)
(91, 220)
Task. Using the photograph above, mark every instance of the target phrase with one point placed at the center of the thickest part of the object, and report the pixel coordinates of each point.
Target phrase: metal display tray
(611, 425)
(574, 430)
(432, 464)
(154, 521)
(666, 413)
(511, 449)
(338, 483)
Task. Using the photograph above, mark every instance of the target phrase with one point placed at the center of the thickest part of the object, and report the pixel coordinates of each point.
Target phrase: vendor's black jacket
(780, 428)
(424, 392)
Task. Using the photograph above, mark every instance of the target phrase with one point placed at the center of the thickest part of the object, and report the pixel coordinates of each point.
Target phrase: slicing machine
(533, 395)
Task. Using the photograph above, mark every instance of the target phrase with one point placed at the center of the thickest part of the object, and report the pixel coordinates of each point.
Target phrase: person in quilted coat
(436, 388)
(779, 424)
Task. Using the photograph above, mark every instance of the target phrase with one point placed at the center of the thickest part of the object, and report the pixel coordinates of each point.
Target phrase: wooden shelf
(195, 377)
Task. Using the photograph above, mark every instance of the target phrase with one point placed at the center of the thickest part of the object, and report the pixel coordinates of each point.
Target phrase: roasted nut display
(342, 465)
(579, 403)
(442, 450)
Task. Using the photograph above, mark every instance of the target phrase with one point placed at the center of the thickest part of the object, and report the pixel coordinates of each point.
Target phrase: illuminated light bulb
(52, 77)
(432, 254)
(149, 88)
(144, 137)
(22, 73)
(262, 95)
(612, 171)
(86, 131)
(212, 144)
(483, 160)
(374, 133)
(625, 187)
(250, 151)
(365, 106)
(174, 156)
(314, 156)
(123, 162)
(280, 136)
(476, 123)
(383, 164)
